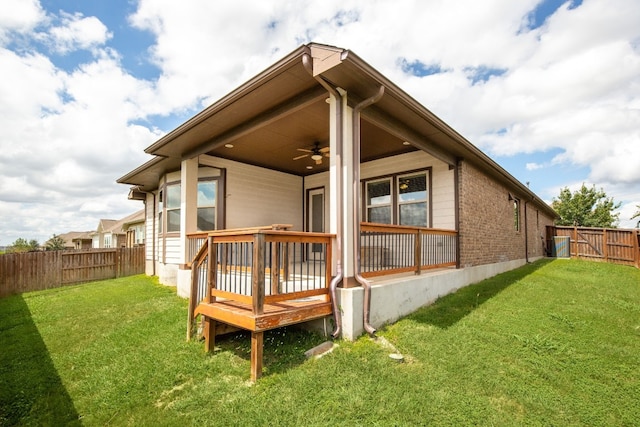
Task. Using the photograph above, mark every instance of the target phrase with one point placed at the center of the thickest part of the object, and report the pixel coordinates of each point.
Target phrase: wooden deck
(274, 315)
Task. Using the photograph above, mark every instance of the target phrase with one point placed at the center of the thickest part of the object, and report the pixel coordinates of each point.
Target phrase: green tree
(22, 245)
(55, 243)
(586, 207)
(637, 215)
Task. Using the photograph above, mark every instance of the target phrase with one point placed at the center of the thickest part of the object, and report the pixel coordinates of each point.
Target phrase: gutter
(356, 208)
(333, 286)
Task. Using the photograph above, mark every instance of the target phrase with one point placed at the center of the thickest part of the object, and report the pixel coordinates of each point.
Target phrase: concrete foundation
(394, 298)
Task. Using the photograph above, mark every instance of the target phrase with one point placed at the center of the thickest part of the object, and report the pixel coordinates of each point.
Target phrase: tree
(637, 215)
(586, 207)
(22, 245)
(55, 243)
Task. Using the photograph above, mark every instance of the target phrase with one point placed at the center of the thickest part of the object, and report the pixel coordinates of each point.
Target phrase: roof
(118, 226)
(71, 236)
(283, 109)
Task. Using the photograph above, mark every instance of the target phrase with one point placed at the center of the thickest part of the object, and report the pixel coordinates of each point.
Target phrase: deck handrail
(258, 266)
(389, 249)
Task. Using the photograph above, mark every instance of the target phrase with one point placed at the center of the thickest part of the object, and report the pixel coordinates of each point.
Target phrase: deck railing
(259, 266)
(389, 249)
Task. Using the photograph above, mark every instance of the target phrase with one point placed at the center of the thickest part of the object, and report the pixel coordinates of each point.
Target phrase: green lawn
(552, 343)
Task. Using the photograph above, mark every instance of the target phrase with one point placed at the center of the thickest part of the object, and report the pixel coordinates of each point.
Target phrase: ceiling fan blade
(300, 157)
(319, 161)
(304, 150)
(324, 150)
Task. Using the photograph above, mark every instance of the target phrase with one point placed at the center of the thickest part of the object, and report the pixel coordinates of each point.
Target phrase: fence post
(575, 240)
(605, 245)
(116, 267)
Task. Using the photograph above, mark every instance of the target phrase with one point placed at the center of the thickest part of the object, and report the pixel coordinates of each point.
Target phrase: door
(315, 220)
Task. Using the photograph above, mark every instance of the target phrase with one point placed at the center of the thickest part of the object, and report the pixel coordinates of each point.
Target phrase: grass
(552, 343)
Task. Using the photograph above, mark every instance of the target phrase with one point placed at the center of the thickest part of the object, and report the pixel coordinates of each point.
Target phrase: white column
(188, 218)
(348, 201)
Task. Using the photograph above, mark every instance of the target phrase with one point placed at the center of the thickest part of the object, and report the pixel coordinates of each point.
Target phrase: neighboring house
(134, 227)
(125, 232)
(77, 240)
(322, 141)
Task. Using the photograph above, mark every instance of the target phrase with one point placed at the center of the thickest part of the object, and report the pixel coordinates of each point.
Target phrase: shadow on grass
(450, 309)
(31, 392)
(284, 348)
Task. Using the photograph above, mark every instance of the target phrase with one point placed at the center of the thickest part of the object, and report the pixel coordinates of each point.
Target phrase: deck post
(212, 263)
(257, 344)
(209, 334)
(257, 276)
(193, 296)
(417, 256)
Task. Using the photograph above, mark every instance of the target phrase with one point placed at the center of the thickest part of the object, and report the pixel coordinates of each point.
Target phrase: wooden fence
(618, 246)
(32, 271)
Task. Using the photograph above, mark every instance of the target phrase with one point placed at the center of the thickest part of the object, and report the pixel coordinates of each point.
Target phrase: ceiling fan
(316, 153)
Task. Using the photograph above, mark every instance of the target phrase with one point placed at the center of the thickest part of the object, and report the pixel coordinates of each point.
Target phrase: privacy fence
(32, 271)
(618, 246)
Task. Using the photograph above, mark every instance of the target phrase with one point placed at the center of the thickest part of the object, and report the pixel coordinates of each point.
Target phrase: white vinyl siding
(442, 182)
(256, 196)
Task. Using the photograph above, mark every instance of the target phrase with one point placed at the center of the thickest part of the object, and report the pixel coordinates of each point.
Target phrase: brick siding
(487, 225)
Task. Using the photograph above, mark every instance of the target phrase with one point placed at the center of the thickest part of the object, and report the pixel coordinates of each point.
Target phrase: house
(77, 240)
(125, 232)
(321, 167)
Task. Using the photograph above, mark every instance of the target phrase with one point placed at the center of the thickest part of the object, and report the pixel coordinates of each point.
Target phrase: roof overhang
(284, 109)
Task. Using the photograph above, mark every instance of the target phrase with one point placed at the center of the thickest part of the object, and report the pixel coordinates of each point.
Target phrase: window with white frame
(412, 200)
(401, 199)
(107, 241)
(172, 207)
(379, 201)
(207, 196)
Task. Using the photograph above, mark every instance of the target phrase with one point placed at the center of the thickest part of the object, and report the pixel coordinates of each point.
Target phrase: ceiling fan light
(316, 157)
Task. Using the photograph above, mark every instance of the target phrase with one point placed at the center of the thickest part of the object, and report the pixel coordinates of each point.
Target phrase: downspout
(333, 285)
(526, 234)
(356, 206)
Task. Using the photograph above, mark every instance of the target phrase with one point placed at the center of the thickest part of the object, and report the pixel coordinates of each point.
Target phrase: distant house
(323, 143)
(77, 240)
(125, 232)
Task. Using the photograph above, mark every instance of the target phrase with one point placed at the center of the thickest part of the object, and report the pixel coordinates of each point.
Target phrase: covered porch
(261, 278)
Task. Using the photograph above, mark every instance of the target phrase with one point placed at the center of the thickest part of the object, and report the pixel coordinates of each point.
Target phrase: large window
(401, 199)
(207, 195)
(169, 200)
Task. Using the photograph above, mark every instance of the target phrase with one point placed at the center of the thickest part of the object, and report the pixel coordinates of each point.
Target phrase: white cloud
(20, 16)
(571, 86)
(77, 32)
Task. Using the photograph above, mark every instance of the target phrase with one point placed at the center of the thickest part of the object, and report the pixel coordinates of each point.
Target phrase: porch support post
(188, 218)
(348, 198)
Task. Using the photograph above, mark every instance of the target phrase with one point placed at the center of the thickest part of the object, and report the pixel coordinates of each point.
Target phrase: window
(207, 194)
(401, 199)
(516, 214)
(412, 200)
(107, 240)
(379, 201)
(160, 207)
(173, 207)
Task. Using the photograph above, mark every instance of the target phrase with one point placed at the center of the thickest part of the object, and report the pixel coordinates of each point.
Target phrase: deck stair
(259, 279)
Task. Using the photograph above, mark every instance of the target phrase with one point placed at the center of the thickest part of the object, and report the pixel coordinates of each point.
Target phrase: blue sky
(549, 89)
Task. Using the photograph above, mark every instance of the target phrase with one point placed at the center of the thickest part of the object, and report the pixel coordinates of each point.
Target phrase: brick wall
(487, 224)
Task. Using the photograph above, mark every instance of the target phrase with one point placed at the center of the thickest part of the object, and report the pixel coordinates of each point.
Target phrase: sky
(549, 89)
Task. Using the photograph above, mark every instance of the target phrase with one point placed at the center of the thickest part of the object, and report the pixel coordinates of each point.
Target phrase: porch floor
(274, 315)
